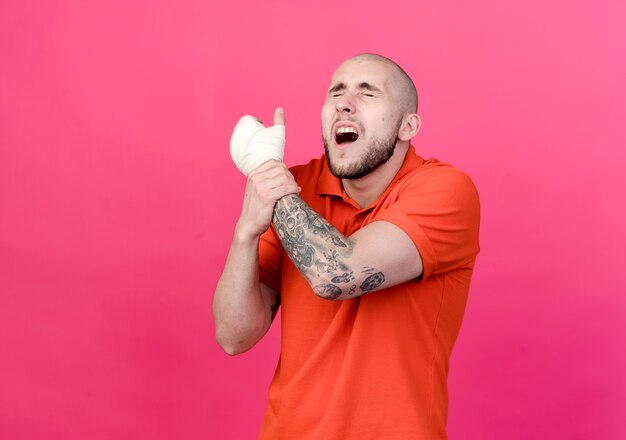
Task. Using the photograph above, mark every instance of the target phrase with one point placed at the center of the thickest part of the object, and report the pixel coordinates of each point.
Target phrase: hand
(252, 144)
(266, 185)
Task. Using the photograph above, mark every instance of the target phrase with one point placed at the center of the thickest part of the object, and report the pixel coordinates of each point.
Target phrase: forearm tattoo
(319, 251)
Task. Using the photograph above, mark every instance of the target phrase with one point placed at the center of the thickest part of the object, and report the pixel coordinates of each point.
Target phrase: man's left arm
(378, 256)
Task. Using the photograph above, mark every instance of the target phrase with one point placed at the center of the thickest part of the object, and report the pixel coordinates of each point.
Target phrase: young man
(370, 251)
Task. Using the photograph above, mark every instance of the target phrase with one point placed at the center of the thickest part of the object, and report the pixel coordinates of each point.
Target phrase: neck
(367, 189)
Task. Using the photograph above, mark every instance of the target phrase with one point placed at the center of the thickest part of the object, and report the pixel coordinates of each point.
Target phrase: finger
(274, 182)
(278, 170)
(279, 116)
(283, 190)
(267, 165)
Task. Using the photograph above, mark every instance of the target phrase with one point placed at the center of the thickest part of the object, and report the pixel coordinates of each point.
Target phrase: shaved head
(405, 88)
(369, 110)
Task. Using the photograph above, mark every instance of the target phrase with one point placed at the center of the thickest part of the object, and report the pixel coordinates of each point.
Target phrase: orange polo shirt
(376, 366)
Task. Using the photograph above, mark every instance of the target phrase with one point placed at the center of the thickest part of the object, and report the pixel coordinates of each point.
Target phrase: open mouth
(344, 135)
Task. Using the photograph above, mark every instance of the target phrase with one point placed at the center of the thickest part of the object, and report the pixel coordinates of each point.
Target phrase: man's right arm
(243, 307)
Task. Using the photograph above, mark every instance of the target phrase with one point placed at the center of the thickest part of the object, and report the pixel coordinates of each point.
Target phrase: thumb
(279, 116)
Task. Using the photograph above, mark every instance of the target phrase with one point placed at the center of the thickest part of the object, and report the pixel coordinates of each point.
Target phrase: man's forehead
(357, 71)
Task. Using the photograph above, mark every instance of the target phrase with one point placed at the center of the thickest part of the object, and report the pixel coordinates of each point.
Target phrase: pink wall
(118, 198)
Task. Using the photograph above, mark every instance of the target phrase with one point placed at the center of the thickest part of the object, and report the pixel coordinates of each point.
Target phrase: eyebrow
(368, 86)
(337, 88)
(362, 86)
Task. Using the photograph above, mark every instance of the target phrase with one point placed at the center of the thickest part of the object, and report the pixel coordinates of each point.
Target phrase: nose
(344, 104)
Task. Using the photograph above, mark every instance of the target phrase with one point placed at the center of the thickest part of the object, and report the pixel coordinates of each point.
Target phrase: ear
(411, 124)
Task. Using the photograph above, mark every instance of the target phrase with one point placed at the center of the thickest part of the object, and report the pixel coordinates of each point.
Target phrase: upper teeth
(346, 130)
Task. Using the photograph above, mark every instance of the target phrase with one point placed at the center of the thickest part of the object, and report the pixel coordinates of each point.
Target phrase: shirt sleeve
(439, 210)
(270, 259)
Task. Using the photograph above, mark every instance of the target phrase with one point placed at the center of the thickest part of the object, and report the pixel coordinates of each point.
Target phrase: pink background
(118, 200)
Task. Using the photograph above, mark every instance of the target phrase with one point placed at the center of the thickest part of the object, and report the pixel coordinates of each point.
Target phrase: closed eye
(369, 90)
(337, 90)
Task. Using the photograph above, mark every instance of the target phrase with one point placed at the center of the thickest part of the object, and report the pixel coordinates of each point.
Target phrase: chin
(347, 169)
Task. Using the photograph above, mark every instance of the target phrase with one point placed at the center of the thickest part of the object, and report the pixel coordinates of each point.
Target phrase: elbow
(233, 345)
(230, 348)
(328, 290)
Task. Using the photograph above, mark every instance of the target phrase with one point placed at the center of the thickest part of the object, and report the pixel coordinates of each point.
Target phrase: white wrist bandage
(253, 144)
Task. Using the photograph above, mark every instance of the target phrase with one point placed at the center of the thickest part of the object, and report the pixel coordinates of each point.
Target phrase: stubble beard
(377, 152)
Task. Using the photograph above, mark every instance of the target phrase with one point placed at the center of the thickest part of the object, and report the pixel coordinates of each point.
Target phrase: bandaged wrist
(252, 144)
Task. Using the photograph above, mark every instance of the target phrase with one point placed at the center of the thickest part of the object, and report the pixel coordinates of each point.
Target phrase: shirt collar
(331, 185)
